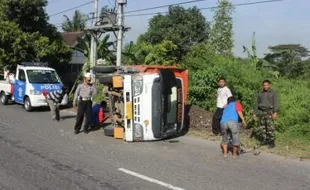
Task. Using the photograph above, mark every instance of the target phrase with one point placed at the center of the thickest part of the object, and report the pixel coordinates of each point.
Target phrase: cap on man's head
(87, 75)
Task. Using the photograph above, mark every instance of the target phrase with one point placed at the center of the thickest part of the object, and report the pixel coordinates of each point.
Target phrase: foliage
(77, 23)
(162, 54)
(183, 27)
(288, 59)
(221, 33)
(27, 36)
(99, 96)
(201, 56)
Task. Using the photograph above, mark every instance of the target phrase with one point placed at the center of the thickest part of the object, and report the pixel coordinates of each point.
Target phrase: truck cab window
(21, 75)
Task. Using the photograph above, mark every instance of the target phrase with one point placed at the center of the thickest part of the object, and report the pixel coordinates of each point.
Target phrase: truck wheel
(4, 98)
(107, 80)
(105, 69)
(109, 131)
(27, 105)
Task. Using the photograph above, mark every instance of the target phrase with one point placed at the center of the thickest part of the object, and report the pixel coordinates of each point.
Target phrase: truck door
(20, 86)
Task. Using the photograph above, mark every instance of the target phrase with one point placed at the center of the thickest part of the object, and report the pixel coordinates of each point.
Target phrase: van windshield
(43, 76)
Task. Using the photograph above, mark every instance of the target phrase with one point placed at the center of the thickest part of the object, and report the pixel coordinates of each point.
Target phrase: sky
(284, 22)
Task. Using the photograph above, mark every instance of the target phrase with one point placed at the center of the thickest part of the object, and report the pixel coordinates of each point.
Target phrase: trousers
(84, 108)
(216, 119)
(267, 128)
(54, 107)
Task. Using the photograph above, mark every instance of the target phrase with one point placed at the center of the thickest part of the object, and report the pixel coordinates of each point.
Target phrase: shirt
(56, 95)
(267, 100)
(97, 114)
(222, 95)
(85, 91)
(230, 112)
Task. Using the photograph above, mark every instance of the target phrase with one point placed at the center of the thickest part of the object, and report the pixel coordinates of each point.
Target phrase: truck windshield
(43, 76)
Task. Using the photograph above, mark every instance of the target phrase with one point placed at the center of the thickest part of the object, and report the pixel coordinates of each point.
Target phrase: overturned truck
(146, 103)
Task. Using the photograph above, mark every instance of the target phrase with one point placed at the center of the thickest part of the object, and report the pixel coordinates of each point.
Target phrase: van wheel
(4, 98)
(27, 105)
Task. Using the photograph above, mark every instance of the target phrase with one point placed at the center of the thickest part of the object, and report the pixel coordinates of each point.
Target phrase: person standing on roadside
(54, 99)
(223, 93)
(229, 123)
(267, 107)
(83, 99)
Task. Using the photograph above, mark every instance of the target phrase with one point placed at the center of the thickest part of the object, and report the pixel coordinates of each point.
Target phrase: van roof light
(40, 64)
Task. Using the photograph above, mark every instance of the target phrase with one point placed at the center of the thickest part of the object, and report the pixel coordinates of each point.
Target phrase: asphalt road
(37, 153)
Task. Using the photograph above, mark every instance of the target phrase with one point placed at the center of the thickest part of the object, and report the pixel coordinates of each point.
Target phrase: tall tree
(76, 24)
(183, 27)
(222, 28)
(30, 15)
(26, 34)
(288, 58)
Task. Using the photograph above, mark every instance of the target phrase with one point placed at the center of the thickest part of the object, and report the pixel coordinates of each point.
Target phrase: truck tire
(4, 98)
(27, 105)
(107, 80)
(105, 69)
(109, 131)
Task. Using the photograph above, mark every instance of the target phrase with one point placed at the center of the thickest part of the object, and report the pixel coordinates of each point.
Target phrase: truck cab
(30, 81)
(147, 102)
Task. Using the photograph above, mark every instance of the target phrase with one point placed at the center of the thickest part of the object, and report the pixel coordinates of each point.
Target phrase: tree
(103, 49)
(183, 27)
(27, 36)
(288, 58)
(162, 54)
(76, 24)
(222, 28)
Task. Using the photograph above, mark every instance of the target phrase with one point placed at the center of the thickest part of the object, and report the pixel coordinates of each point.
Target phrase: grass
(288, 147)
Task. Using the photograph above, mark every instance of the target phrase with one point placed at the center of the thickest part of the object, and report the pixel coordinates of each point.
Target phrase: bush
(245, 81)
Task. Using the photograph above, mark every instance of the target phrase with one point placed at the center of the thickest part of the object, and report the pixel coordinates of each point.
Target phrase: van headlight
(138, 131)
(35, 92)
(138, 85)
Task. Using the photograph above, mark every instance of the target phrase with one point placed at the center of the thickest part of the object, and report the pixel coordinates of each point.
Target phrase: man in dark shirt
(54, 99)
(267, 107)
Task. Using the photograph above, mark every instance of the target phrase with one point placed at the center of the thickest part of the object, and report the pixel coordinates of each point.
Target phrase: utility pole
(120, 24)
(93, 46)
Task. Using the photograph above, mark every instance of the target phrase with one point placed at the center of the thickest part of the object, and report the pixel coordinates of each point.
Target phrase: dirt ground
(200, 119)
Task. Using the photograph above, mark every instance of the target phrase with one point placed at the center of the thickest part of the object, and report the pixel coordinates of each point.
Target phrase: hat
(87, 75)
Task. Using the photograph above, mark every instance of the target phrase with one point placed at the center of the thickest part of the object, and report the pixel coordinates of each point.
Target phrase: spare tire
(109, 131)
(106, 80)
(105, 69)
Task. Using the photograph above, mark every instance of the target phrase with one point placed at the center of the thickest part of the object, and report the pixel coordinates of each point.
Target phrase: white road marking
(149, 179)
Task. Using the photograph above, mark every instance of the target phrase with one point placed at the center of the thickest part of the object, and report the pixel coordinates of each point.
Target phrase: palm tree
(76, 24)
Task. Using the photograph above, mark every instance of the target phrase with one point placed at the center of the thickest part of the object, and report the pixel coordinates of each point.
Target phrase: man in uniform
(267, 107)
(83, 97)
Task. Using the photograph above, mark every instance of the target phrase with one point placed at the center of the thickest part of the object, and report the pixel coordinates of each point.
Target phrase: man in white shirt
(223, 93)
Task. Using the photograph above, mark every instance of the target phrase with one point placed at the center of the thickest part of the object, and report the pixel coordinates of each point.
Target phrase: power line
(213, 7)
(79, 6)
(206, 8)
(163, 6)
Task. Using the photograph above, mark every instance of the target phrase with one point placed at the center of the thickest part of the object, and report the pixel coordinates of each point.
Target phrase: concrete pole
(93, 46)
(120, 17)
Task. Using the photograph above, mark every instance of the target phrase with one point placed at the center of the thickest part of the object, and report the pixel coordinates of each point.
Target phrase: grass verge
(286, 145)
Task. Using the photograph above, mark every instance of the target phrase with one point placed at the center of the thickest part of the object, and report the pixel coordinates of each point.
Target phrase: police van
(26, 87)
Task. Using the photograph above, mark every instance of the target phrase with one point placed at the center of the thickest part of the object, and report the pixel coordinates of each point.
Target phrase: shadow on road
(68, 117)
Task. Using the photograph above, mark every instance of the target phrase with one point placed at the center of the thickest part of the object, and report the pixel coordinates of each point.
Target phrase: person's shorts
(233, 127)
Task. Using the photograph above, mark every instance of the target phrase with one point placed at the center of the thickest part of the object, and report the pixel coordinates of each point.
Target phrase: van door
(20, 86)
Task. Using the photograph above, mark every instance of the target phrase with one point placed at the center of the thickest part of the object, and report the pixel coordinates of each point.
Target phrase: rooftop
(70, 38)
